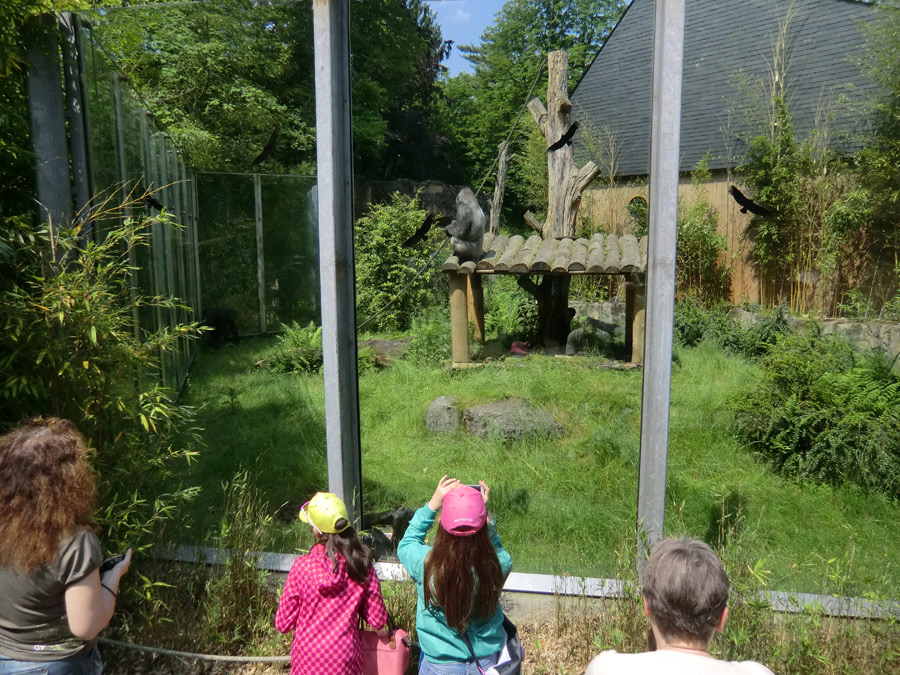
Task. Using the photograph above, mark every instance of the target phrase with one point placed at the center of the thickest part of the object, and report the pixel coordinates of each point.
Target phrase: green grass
(563, 505)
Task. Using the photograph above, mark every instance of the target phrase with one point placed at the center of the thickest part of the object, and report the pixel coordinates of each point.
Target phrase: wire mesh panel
(226, 233)
(291, 243)
(258, 248)
(130, 154)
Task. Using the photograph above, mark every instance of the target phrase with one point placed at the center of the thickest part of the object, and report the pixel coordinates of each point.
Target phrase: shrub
(512, 312)
(430, 345)
(299, 349)
(699, 268)
(386, 281)
(68, 349)
(827, 413)
(694, 323)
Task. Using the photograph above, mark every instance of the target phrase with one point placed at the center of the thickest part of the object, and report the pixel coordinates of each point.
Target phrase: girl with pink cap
(326, 592)
(458, 580)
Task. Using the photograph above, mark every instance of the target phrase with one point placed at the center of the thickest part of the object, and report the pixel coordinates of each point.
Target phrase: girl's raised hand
(485, 491)
(443, 487)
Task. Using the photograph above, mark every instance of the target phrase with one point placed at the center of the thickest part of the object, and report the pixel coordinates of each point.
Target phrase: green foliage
(238, 603)
(814, 214)
(700, 270)
(384, 267)
(299, 349)
(69, 350)
(826, 413)
(222, 76)
(695, 323)
(512, 312)
(430, 345)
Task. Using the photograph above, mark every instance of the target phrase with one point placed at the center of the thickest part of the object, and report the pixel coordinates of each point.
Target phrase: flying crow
(267, 149)
(420, 233)
(748, 204)
(566, 138)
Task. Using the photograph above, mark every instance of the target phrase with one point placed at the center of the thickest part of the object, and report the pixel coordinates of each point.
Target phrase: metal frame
(334, 159)
(668, 52)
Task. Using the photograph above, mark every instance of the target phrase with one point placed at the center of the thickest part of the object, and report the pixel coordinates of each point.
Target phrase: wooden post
(499, 189)
(475, 305)
(635, 315)
(459, 319)
(566, 182)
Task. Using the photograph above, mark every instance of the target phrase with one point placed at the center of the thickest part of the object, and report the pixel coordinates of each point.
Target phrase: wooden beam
(533, 222)
(459, 318)
(476, 305)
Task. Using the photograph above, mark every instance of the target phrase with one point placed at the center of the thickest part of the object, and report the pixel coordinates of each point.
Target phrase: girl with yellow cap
(326, 592)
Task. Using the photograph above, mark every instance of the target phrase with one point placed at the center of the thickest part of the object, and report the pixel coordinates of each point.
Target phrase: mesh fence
(126, 148)
(258, 247)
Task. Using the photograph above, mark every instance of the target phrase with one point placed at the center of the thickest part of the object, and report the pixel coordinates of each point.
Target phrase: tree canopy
(507, 62)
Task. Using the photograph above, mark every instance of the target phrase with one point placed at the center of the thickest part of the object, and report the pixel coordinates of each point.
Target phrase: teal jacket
(439, 642)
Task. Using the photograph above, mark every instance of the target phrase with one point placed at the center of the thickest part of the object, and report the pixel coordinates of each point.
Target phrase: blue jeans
(426, 667)
(83, 663)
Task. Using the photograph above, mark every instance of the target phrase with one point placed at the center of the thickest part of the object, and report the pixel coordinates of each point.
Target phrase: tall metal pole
(664, 150)
(331, 36)
(69, 26)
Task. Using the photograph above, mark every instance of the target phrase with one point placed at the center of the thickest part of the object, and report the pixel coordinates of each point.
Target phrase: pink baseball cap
(463, 512)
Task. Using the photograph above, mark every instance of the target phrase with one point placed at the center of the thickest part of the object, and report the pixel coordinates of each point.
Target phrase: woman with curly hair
(53, 601)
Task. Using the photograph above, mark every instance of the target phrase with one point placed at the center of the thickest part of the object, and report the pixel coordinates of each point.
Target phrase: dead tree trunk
(499, 189)
(566, 186)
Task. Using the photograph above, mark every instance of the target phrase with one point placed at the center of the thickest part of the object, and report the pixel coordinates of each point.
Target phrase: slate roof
(723, 37)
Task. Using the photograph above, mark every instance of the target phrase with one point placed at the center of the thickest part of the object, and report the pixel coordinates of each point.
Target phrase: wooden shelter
(601, 254)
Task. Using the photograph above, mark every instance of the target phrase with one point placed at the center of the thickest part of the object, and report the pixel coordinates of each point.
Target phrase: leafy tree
(224, 77)
(512, 53)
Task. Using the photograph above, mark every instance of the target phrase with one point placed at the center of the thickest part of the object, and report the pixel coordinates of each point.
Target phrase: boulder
(443, 415)
(510, 418)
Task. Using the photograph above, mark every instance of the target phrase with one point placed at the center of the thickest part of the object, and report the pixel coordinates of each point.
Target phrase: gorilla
(466, 231)
(222, 325)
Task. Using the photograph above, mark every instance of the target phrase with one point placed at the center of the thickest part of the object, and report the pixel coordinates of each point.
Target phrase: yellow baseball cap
(323, 511)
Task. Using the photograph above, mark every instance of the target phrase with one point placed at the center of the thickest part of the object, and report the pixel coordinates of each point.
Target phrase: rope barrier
(192, 655)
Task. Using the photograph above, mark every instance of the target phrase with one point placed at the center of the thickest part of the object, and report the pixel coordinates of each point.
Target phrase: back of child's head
(327, 515)
(462, 571)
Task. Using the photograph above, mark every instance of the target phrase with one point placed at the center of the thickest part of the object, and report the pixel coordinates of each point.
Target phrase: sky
(463, 21)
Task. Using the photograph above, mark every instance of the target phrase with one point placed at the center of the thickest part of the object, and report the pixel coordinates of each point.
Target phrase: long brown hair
(463, 577)
(47, 491)
(346, 544)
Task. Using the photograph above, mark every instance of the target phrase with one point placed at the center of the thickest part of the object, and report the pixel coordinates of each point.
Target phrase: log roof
(601, 254)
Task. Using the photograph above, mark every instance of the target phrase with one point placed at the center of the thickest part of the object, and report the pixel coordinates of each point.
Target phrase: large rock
(443, 415)
(510, 418)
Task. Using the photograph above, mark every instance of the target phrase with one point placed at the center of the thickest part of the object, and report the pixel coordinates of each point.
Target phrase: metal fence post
(48, 128)
(75, 113)
(260, 253)
(664, 159)
(331, 22)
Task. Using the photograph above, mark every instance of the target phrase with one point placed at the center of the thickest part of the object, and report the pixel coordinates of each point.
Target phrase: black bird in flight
(267, 148)
(154, 202)
(748, 204)
(566, 138)
(419, 234)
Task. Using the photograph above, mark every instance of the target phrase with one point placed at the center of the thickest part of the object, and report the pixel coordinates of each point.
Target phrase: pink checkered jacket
(322, 606)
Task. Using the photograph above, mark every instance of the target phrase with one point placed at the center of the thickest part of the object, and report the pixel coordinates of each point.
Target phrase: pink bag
(383, 656)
